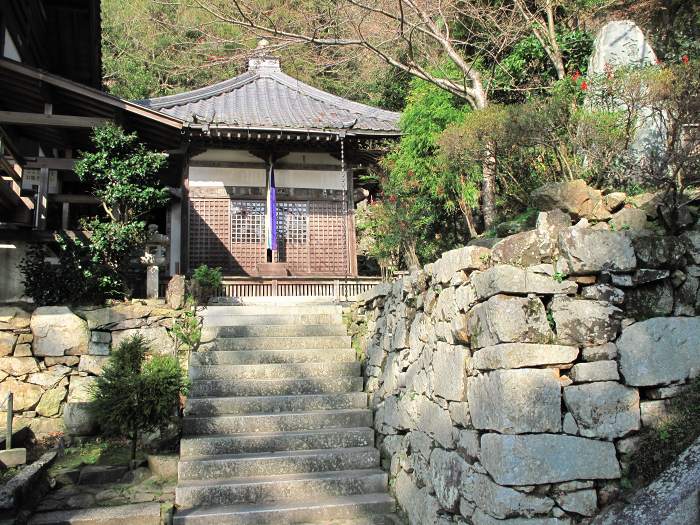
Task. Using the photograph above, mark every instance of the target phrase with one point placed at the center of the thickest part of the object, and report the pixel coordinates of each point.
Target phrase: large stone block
(111, 315)
(505, 502)
(629, 219)
(516, 401)
(420, 413)
(655, 251)
(660, 351)
(546, 458)
(26, 395)
(467, 259)
(549, 224)
(13, 318)
(450, 371)
(18, 366)
(651, 300)
(522, 355)
(691, 240)
(584, 251)
(585, 322)
(513, 280)
(449, 473)
(506, 319)
(80, 389)
(58, 331)
(521, 249)
(603, 410)
(7, 343)
(594, 371)
(421, 508)
(574, 197)
(92, 364)
(157, 338)
(50, 404)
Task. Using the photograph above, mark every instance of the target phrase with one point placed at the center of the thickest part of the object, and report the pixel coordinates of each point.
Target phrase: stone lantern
(154, 257)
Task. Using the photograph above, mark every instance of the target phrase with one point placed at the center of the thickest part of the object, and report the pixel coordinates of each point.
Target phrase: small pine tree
(133, 395)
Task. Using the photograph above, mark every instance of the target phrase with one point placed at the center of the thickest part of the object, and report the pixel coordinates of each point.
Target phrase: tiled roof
(264, 97)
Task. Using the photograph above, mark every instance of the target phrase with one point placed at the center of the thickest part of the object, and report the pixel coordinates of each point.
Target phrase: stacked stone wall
(51, 356)
(509, 383)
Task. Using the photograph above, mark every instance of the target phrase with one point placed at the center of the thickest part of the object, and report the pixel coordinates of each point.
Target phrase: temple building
(268, 174)
(262, 168)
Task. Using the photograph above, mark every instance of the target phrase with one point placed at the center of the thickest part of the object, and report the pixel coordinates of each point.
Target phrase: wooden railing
(342, 289)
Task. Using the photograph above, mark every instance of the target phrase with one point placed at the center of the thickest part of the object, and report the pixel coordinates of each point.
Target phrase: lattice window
(247, 234)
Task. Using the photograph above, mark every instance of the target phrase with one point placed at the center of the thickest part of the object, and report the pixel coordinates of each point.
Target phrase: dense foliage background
(493, 94)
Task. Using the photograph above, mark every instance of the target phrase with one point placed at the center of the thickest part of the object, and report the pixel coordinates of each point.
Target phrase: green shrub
(205, 283)
(133, 395)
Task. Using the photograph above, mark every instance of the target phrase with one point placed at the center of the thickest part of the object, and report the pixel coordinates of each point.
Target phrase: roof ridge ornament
(261, 62)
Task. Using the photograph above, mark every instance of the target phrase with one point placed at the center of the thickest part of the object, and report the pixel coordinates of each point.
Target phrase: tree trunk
(488, 187)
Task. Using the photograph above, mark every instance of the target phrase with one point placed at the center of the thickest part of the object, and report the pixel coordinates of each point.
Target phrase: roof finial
(261, 61)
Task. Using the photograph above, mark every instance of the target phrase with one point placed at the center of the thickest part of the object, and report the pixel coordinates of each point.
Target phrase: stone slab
(516, 401)
(136, 514)
(13, 457)
(522, 355)
(604, 410)
(660, 351)
(547, 458)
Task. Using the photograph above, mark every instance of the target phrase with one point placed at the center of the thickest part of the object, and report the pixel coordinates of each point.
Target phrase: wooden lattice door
(293, 235)
(209, 233)
(247, 235)
(328, 251)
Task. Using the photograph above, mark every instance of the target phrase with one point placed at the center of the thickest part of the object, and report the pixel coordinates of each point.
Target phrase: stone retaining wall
(508, 383)
(49, 357)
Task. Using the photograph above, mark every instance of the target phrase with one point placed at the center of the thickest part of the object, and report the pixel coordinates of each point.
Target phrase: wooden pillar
(41, 199)
(65, 216)
(350, 225)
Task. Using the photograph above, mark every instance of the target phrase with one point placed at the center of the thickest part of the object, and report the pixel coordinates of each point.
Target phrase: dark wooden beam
(51, 163)
(42, 119)
(73, 198)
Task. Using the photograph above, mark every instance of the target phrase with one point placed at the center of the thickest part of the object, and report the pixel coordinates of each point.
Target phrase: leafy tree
(134, 395)
(122, 173)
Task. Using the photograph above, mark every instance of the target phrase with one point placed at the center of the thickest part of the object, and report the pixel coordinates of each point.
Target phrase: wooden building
(266, 131)
(231, 148)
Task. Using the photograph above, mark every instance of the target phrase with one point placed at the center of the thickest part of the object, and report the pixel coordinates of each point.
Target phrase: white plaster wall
(253, 177)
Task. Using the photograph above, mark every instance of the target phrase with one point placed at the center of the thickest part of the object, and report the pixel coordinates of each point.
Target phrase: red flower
(584, 85)
(685, 59)
(392, 198)
(576, 76)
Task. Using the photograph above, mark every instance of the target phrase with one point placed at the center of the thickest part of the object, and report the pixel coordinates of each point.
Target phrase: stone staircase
(277, 428)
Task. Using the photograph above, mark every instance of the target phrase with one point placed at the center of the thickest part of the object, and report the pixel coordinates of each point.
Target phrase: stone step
(279, 319)
(256, 442)
(275, 371)
(213, 311)
(315, 510)
(285, 487)
(281, 422)
(286, 462)
(214, 406)
(273, 330)
(252, 357)
(276, 387)
(136, 514)
(283, 343)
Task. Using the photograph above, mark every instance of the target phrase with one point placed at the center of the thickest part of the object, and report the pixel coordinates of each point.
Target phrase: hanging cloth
(271, 227)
